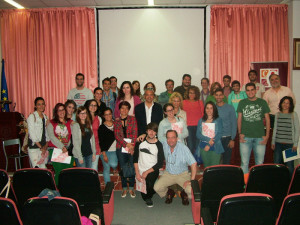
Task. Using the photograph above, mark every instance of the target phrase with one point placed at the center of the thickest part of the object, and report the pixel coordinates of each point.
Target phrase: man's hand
(141, 138)
(264, 141)
(231, 144)
(273, 147)
(93, 158)
(186, 183)
(294, 149)
(138, 177)
(105, 158)
(242, 140)
(145, 174)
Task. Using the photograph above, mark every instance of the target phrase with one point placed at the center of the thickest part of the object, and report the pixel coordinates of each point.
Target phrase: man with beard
(148, 159)
(186, 82)
(80, 94)
(260, 88)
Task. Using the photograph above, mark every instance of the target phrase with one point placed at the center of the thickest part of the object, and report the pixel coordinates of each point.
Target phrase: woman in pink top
(194, 109)
(92, 109)
(126, 93)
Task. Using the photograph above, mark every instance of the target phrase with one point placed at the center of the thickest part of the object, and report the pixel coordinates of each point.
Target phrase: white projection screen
(151, 44)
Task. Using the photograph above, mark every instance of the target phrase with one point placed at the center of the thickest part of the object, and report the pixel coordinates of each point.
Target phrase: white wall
(294, 32)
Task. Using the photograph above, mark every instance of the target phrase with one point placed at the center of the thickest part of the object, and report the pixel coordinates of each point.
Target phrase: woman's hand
(294, 149)
(93, 158)
(64, 149)
(273, 147)
(211, 142)
(80, 161)
(105, 158)
(206, 148)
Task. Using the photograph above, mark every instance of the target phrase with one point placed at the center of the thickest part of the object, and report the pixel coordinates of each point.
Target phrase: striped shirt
(284, 128)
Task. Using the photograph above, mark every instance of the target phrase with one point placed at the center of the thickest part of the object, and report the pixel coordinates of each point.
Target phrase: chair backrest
(11, 142)
(29, 183)
(246, 209)
(3, 181)
(58, 211)
(295, 182)
(272, 179)
(9, 214)
(219, 181)
(289, 213)
(82, 185)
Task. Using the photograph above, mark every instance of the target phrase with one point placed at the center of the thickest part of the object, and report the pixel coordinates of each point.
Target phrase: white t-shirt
(80, 96)
(260, 88)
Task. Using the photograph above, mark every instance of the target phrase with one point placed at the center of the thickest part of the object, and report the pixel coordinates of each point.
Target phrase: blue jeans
(87, 161)
(123, 159)
(245, 151)
(95, 163)
(192, 140)
(278, 158)
(227, 154)
(112, 162)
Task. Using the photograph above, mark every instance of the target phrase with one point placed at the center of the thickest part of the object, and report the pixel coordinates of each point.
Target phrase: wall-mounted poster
(265, 74)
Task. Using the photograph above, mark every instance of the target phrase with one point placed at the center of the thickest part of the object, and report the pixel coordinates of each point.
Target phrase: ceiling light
(151, 2)
(17, 5)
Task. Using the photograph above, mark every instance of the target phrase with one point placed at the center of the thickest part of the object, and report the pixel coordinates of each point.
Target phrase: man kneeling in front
(178, 157)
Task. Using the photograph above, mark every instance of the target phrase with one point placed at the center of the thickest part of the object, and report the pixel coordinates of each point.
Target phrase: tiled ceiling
(129, 3)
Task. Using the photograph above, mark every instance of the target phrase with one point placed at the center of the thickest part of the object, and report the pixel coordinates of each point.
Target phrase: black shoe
(149, 202)
(184, 197)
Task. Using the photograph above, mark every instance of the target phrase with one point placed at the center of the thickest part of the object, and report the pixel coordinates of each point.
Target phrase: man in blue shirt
(178, 157)
(229, 120)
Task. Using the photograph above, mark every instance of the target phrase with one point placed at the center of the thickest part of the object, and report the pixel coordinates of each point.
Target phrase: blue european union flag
(4, 92)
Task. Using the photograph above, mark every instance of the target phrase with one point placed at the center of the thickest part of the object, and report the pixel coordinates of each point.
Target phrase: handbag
(128, 169)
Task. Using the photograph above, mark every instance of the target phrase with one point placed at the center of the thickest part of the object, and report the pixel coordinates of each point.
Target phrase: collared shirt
(273, 97)
(109, 100)
(178, 161)
(148, 113)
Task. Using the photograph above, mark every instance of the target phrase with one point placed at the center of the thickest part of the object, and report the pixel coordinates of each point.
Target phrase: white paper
(126, 150)
(141, 186)
(59, 156)
(208, 129)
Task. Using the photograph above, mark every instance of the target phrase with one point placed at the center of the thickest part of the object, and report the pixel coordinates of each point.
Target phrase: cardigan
(218, 147)
(131, 131)
(136, 101)
(295, 129)
(165, 125)
(77, 139)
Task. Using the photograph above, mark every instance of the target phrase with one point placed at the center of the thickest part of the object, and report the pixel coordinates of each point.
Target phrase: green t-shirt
(253, 113)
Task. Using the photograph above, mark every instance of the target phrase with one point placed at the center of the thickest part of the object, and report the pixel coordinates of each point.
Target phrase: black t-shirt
(86, 148)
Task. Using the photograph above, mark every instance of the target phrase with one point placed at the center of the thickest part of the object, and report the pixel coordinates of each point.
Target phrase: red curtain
(241, 34)
(43, 50)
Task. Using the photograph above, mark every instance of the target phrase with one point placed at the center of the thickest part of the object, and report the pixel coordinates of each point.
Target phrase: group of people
(179, 126)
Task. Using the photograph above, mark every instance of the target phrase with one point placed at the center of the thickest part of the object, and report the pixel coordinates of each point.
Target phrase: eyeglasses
(171, 110)
(82, 113)
(108, 114)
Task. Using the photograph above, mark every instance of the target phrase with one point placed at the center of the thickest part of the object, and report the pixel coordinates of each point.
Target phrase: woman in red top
(125, 129)
(92, 109)
(59, 131)
(194, 109)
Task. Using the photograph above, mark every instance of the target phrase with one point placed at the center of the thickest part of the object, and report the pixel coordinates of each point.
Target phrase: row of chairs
(79, 184)
(223, 180)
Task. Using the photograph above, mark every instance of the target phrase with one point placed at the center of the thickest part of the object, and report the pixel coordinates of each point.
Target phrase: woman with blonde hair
(177, 101)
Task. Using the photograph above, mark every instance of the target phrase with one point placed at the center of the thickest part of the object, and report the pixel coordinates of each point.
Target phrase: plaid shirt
(131, 131)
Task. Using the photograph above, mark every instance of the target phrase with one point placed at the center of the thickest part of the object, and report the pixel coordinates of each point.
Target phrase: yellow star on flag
(3, 91)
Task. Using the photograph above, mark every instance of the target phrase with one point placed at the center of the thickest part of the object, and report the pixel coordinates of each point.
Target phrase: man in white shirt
(80, 94)
(260, 88)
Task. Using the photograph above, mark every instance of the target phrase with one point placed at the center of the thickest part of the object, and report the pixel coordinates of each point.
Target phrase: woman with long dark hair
(209, 131)
(98, 93)
(38, 136)
(84, 149)
(92, 109)
(126, 93)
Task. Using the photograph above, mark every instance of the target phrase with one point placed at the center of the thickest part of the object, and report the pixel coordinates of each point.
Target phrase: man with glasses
(178, 157)
(80, 94)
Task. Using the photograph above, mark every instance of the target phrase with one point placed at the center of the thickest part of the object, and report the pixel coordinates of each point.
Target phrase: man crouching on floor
(178, 158)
